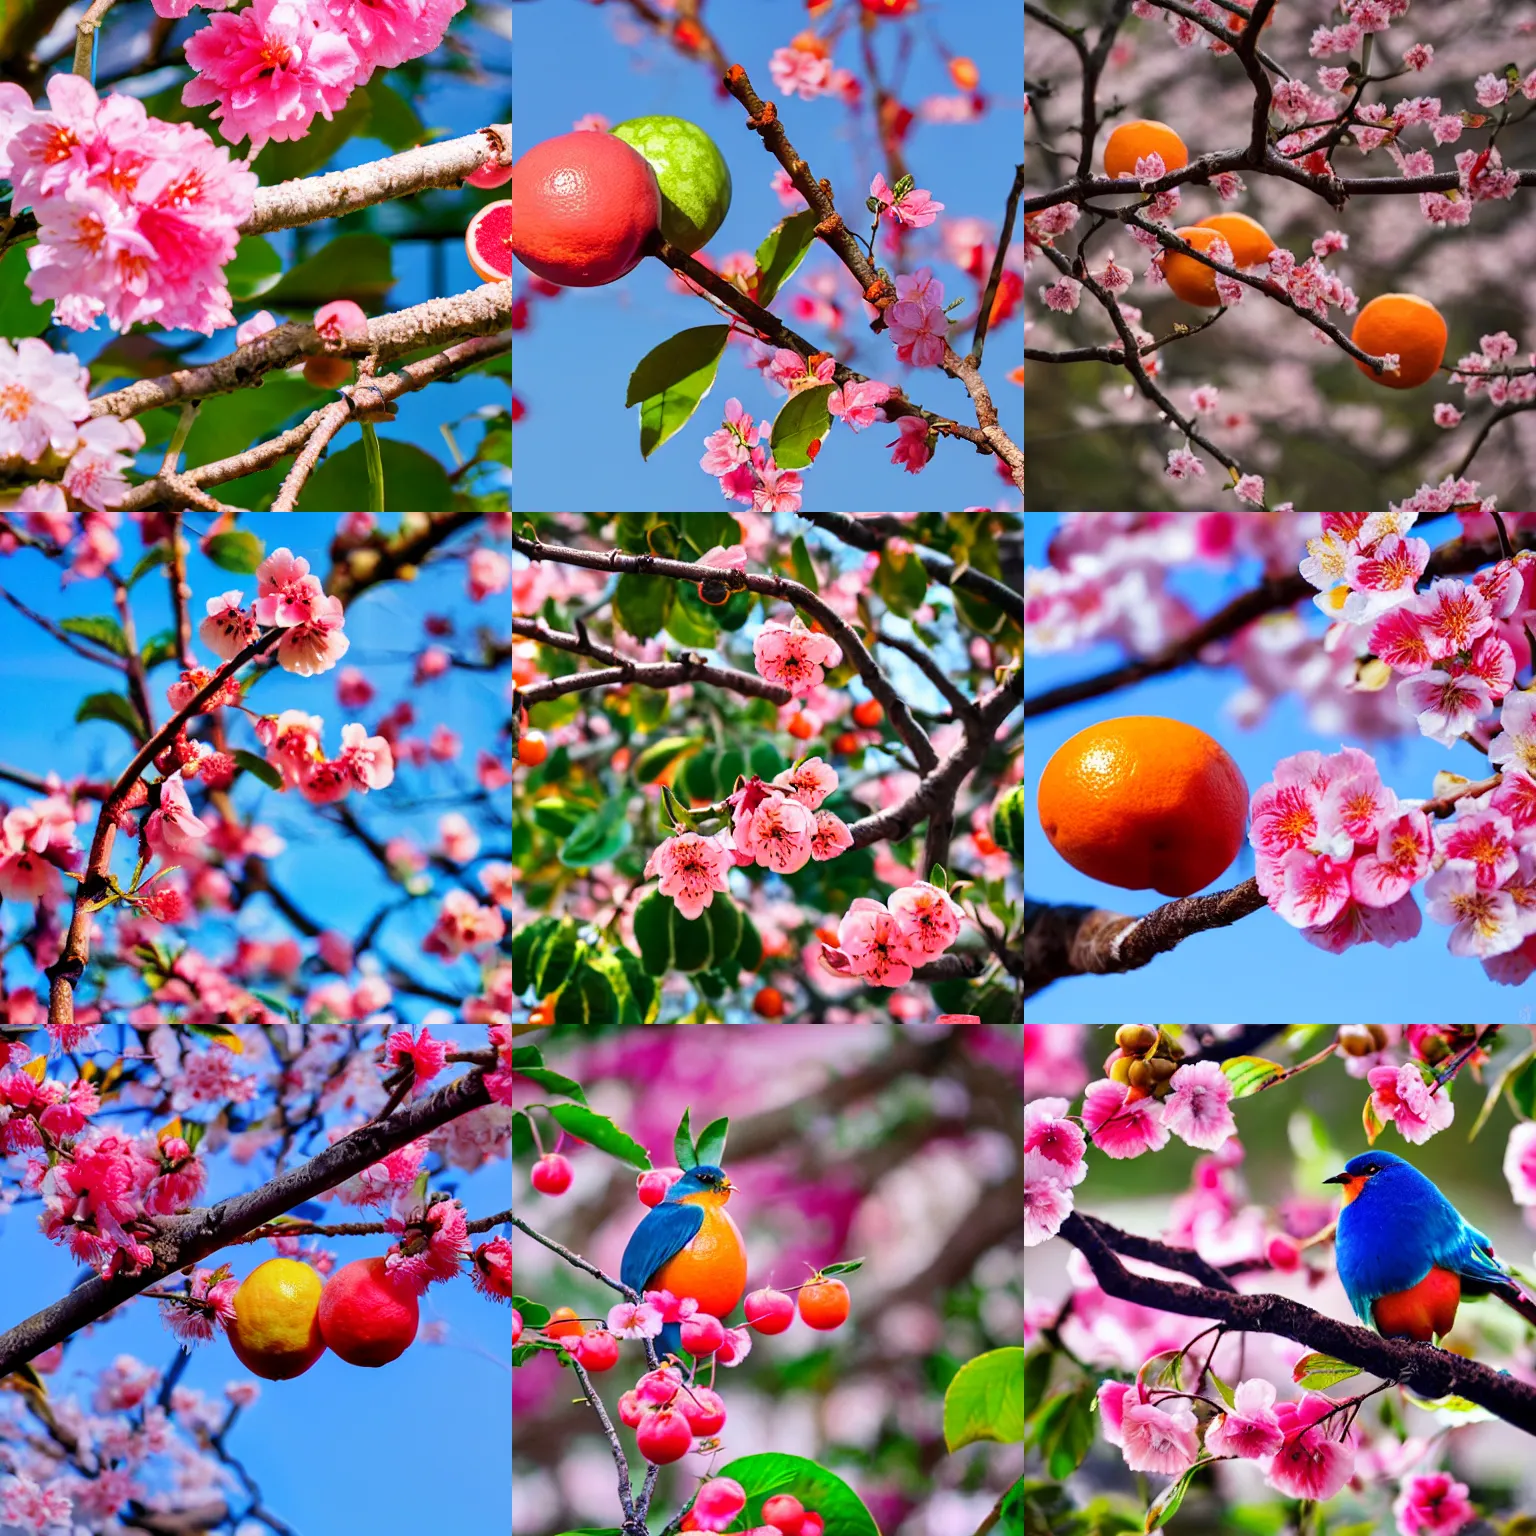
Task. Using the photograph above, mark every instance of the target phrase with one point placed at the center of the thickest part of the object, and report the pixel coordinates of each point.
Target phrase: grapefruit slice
(489, 242)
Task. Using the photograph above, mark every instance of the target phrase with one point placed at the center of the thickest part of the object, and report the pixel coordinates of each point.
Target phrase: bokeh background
(901, 1147)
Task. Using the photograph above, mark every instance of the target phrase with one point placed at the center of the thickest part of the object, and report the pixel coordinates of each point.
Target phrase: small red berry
(552, 1174)
(770, 1311)
(704, 1409)
(785, 1511)
(631, 1409)
(517, 1325)
(532, 749)
(813, 1524)
(824, 1304)
(652, 1185)
(845, 743)
(664, 1436)
(598, 1350)
(769, 1003)
(702, 1334)
(799, 727)
(720, 1499)
(868, 713)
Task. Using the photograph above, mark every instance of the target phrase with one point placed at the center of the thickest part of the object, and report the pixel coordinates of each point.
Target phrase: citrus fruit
(489, 242)
(1143, 802)
(1136, 140)
(586, 204)
(366, 1316)
(275, 1333)
(492, 174)
(1248, 238)
(824, 1304)
(1190, 280)
(691, 172)
(1407, 325)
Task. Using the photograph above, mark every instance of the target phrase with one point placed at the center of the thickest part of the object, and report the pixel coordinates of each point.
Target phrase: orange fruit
(1189, 279)
(1145, 803)
(532, 749)
(564, 1324)
(585, 205)
(800, 727)
(769, 1003)
(1136, 140)
(868, 713)
(1407, 325)
(366, 1316)
(1248, 238)
(276, 1331)
(824, 1303)
(488, 242)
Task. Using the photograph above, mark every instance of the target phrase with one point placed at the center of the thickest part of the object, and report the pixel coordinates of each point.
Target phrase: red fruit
(769, 1003)
(631, 1409)
(532, 749)
(564, 1324)
(800, 727)
(552, 1174)
(587, 203)
(598, 1350)
(721, 1498)
(517, 1325)
(702, 1334)
(868, 713)
(812, 1525)
(367, 1317)
(824, 1304)
(846, 743)
(325, 371)
(652, 1186)
(888, 7)
(659, 1386)
(770, 1311)
(664, 1436)
(688, 34)
(737, 1340)
(785, 1511)
(704, 1410)
(489, 242)
(491, 174)
(964, 73)
(689, 1522)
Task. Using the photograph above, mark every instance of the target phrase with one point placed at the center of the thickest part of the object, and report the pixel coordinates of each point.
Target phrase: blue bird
(689, 1245)
(1405, 1255)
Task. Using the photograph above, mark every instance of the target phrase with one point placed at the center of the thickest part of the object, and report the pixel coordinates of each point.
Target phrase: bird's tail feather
(1512, 1296)
(670, 1341)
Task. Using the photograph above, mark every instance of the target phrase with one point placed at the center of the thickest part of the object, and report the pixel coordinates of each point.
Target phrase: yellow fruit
(276, 1331)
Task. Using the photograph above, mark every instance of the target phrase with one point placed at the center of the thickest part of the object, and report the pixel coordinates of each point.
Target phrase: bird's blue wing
(665, 1232)
(1471, 1257)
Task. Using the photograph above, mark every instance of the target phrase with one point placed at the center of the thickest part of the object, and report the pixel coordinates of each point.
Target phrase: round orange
(1136, 140)
(564, 1323)
(824, 1303)
(1248, 238)
(1145, 803)
(532, 748)
(1407, 325)
(1189, 279)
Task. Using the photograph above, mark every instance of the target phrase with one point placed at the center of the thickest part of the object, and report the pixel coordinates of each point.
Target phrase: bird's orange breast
(713, 1267)
(1422, 1311)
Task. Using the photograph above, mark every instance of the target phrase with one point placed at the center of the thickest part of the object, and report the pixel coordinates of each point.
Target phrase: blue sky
(1259, 970)
(326, 1448)
(578, 445)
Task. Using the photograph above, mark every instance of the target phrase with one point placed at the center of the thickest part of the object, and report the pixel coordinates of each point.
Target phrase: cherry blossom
(692, 870)
(872, 940)
(1316, 1459)
(1120, 1128)
(810, 783)
(1198, 1109)
(1432, 1504)
(1401, 1097)
(1251, 1427)
(793, 656)
(929, 920)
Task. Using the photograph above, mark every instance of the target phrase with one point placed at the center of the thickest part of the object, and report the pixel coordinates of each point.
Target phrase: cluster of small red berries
(783, 1514)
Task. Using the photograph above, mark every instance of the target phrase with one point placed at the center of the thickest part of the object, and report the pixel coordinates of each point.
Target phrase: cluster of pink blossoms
(269, 69)
(292, 740)
(287, 598)
(793, 656)
(883, 942)
(37, 840)
(136, 217)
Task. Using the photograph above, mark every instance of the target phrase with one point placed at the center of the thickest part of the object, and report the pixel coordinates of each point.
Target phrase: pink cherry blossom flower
(433, 1243)
(344, 321)
(810, 783)
(269, 69)
(777, 490)
(1446, 706)
(917, 323)
(1250, 1428)
(1048, 1132)
(427, 1056)
(1432, 1504)
(731, 445)
(1516, 742)
(1399, 639)
(634, 1320)
(229, 628)
(1483, 922)
(174, 828)
(286, 593)
(928, 918)
(316, 645)
(95, 474)
(799, 71)
(830, 838)
(915, 208)
(387, 33)
(779, 834)
(1454, 615)
(42, 399)
(34, 1506)
(692, 869)
(1159, 1437)
(871, 939)
(1313, 1462)
(463, 925)
(367, 760)
(257, 325)
(1198, 1110)
(912, 450)
(858, 402)
(1488, 840)
(1400, 860)
(1401, 1097)
(793, 656)
(1313, 888)
(1384, 578)
(1520, 1163)
(1047, 1199)
(1119, 1129)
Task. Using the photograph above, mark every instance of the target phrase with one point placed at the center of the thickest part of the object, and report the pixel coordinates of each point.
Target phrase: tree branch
(185, 1239)
(1424, 1369)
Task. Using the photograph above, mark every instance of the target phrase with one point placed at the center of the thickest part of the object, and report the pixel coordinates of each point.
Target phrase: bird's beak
(1338, 1178)
(731, 1188)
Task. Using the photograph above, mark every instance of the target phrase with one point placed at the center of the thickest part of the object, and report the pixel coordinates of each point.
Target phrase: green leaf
(693, 945)
(703, 531)
(304, 156)
(1371, 1122)
(100, 630)
(902, 582)
(1248, 1074)
(255, 268)
(642, 985)
(259, 768)
(985, 1401)
(355, 266)
(534, 1316)
(800, 560)
(413, 480)
(725, 930)
(641, 603)
(19, 316)
(1064, 1428)
(691, 621)
(557, 816)
(732, 765)
(1522, 1089)
(1166, 1505)
(653, 932)
(600, 1132)
(671, 379)
(228, 424)
(655, 759)
(599, 836)
(114, 707)
(682, 1145)
(749, 953)
(772, 1472)
(1497, 1087)
(1315, 1372)
(766, 760)
(587, 998)
(711, 1145)
(782, 251)
(393, 121)
(1037, 1377)
(239, 551)
(802, 420)
(697, 776)
(156, 554)
(554, 957)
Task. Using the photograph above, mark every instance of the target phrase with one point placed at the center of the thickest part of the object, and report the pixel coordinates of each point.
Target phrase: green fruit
(694, 179)
(1008, 822)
